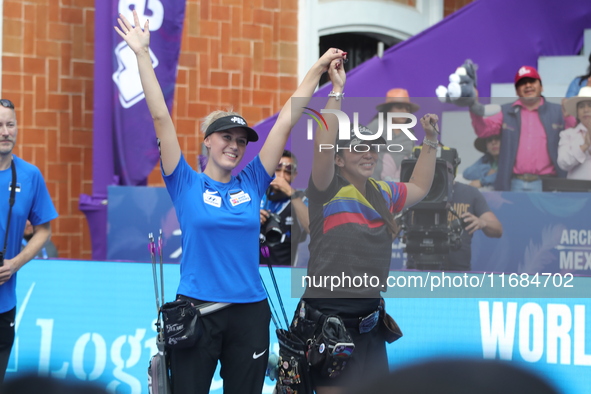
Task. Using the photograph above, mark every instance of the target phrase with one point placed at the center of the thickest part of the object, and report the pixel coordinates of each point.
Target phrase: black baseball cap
(230, 122)
(354, 140)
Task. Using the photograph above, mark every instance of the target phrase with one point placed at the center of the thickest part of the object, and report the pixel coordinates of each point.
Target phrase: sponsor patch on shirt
(212, 197)
(238, 197)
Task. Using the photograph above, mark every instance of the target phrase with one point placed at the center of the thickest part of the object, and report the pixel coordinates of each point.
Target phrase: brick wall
(234, 54)
(451, 6)
(47, 73)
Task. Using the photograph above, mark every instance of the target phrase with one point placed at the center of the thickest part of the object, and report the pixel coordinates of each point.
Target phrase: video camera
(429, 234)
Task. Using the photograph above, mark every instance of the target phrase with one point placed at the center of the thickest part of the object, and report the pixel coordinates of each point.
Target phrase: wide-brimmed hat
(230, 122)
(395, 96)
(526, 72)
(480, 143)
(571, 104)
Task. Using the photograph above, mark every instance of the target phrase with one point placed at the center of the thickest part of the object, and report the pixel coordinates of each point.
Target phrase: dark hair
(287, 153)
(7, 103)
(459, 376)
(586, 76)
(30, 383)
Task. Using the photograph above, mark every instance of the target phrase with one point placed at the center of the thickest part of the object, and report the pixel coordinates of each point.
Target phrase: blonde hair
(215, 115)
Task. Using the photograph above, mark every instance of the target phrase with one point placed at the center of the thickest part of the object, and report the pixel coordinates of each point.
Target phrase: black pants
(237, 336)
(6, 339)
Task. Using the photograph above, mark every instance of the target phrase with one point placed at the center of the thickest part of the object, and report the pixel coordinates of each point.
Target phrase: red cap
(526, 72)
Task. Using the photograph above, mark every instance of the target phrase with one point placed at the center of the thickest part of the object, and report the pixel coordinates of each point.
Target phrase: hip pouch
(388, 326)
(179, 321)
(330, 351)
(293, 374)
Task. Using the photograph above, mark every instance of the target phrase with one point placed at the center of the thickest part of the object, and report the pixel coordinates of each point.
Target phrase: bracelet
(337, 95)
(432, 144)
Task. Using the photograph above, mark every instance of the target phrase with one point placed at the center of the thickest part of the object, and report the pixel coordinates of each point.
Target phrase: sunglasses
(6, 103)
(287, 167)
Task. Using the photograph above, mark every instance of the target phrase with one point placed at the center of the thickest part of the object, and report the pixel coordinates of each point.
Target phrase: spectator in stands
(290, 207)
(574, 148)
(47, 251)
(529, 129)
(483, 172)
(388, 165)
(579, 82)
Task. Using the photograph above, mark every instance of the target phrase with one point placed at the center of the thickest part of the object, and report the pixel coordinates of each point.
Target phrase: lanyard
(11, 203)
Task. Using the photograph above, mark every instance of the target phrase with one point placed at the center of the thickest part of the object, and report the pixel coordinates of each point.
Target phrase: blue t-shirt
(574, 87)
(220, 225)
(32, 201)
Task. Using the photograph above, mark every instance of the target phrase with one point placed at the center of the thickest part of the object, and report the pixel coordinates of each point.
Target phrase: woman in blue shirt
(577, 83)
(219, 218)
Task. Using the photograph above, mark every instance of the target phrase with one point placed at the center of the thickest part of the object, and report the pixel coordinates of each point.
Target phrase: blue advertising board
(542, 232)
(94, 321)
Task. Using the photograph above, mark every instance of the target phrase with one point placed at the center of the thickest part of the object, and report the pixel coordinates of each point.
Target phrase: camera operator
(469, 203)
(277, 216)
(447, 244)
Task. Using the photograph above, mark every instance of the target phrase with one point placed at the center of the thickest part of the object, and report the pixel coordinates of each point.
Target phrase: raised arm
(323, 165)
(138, 41)
(288, 117)
(422, 176)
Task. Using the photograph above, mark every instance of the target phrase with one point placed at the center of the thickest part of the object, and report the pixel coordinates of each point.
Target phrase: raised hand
(282, 185)
(427, 121)
(333, 53)
(336, 73)
(136, 38)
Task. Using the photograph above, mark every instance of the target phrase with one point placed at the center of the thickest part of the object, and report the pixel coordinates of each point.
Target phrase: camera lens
(273, 233)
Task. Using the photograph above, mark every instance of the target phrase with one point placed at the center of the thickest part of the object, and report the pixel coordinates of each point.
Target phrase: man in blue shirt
(289, 206)
(23, 195)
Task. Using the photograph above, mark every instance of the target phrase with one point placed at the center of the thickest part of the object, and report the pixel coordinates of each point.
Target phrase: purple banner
(136, 151)
(542, 232)
(124, 141)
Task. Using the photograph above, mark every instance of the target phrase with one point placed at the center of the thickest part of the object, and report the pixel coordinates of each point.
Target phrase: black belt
(363, 323)
(205, 308)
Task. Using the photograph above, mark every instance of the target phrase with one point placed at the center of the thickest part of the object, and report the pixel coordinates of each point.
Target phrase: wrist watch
(297, 194)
